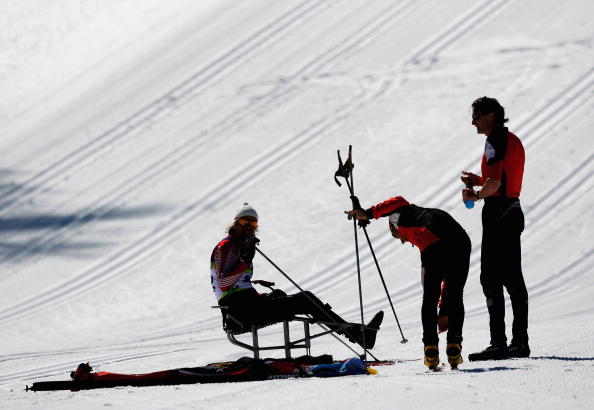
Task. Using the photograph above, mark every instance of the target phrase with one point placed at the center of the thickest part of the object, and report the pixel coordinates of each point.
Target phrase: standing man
(445, 254)
(502, 170)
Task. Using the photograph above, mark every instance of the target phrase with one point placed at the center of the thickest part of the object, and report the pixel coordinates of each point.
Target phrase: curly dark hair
(486, 105)
(231, 229)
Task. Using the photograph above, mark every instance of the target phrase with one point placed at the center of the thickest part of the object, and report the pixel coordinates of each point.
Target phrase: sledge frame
(288, 346)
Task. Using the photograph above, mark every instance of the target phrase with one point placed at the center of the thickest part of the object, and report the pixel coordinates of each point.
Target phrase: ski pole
(321, 310)
(404, 340)
(345, 171)
(358, 267)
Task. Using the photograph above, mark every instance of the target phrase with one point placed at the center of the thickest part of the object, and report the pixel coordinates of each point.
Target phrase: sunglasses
(243, 222)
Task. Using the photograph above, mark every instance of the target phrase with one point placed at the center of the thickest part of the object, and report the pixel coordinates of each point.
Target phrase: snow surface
(131, 132)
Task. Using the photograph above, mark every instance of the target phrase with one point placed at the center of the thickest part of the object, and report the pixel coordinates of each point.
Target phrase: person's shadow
(40, 232)
(488, 369)
(503, 368)
(565, 359)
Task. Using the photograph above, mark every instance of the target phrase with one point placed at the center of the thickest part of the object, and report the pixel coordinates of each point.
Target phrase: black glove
(263, 283)
(248, 249)
(276, 294)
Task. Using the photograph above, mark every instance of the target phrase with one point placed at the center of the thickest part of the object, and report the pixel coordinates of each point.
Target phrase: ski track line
(465, 23)
(133, 184)
(114, 348)
(126, 258)
(207, 76)
(563, 280)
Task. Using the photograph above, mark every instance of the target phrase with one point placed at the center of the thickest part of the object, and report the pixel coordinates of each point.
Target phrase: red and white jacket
(228, 274)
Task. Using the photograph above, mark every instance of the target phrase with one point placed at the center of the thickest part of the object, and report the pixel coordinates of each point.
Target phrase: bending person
(231, 271)
(445, 256)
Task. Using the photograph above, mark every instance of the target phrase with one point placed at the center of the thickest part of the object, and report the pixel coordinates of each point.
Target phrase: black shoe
(492, 352)
(518, 350)
(354, 334)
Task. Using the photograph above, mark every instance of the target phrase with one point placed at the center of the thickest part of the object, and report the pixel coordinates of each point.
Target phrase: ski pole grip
(356, 203)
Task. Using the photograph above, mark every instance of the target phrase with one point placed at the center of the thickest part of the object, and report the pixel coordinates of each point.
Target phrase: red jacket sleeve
(388, 206)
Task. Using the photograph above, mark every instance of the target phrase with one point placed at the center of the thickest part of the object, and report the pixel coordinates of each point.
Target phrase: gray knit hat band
(246, 210)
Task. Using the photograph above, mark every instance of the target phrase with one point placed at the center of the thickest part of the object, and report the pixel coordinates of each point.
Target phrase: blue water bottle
(469, 204)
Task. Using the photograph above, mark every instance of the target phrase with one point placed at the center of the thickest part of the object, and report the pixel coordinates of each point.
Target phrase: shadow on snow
(565, 359)
(31, 234)
(23, 236)
(489, 369)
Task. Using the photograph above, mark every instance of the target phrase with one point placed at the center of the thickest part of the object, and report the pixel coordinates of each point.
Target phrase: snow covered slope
(130, 132)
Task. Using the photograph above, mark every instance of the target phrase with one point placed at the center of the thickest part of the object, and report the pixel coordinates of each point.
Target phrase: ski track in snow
(557, 202)
(465, 23)
(92, 277)
(187, 150)
(159, 108)
(545, 118)
(570, 99)
(288, 148)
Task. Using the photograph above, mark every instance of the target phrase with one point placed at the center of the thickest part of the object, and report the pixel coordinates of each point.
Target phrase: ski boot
(454, 352)
(432, 357)
(355, 335)
(492, 352)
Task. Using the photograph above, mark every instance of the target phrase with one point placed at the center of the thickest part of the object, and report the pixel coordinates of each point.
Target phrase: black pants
(251, 308)
(447, 259)
(501, 266)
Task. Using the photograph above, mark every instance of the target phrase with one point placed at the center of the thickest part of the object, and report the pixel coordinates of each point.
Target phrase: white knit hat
(246, 210)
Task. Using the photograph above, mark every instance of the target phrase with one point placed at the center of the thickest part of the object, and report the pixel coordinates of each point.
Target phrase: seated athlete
(231, 271)
(445, 255)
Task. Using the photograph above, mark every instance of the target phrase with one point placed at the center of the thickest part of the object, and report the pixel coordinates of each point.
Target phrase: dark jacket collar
(497, 133)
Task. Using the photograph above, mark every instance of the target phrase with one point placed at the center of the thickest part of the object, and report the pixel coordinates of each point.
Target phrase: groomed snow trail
(131, 133)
